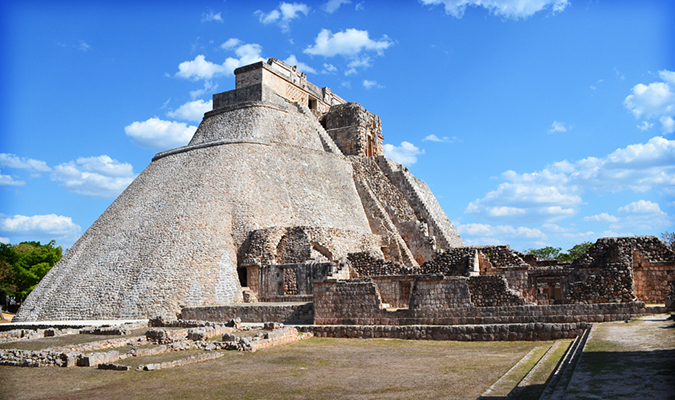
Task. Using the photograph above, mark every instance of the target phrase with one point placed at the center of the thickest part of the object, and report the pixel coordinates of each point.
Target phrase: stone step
(557, 386)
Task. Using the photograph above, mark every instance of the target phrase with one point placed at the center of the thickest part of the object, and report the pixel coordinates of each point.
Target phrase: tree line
(23, 265)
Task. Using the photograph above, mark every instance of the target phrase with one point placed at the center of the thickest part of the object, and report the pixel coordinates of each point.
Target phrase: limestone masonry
(283, 208)
(280, 172)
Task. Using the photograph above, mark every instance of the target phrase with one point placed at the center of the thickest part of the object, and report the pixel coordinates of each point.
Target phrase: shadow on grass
(614, 374)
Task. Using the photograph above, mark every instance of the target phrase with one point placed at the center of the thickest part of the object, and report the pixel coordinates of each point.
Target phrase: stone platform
(286, 312)
(74, 324)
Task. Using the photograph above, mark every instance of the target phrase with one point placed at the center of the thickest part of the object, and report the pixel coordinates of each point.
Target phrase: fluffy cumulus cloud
(405, 154)
(101, 176)
(192, 110)
(292, 60)
(50, 225)
(332, 5)
(200, 68)
(654, 101)
(513, 9)
(158, 135)
(348, 43)
(556, 192)
(13, 161)
(7, 180)
(283, 15)
(640, 216)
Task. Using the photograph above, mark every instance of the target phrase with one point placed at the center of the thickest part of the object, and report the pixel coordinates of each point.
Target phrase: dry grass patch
(313, 368)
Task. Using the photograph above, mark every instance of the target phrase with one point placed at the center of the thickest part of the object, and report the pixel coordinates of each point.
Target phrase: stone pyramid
(277, 157)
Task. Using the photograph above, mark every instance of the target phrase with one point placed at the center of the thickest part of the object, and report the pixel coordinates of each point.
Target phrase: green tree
(556, 253)
(23, 265)
(546, 253)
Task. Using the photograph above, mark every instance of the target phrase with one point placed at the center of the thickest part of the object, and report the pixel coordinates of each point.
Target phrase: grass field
(313, 368)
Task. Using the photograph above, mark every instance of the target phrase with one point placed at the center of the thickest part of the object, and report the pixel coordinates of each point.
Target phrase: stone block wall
(355, 130)
(364, 264)
(432, 294)
(447, 301)
(491, 332)
(492, 291)
(424, 203)
(287, 313)
(395, 290)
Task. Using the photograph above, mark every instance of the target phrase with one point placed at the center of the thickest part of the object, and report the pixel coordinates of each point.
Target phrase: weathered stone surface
(259, 160)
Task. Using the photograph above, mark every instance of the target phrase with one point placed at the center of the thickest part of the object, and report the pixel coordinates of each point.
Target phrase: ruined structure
(283, 195)
(280, 172)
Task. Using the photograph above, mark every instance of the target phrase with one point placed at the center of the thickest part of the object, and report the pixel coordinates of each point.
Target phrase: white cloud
(157, 134)
(283, 15)
(40, 225)
(348, 43)
(101, 176)
(328, 69)
(556, 191)
(602, 217)
(640, 216)
(6, 180)
(557, 127)
(405, 154)
(444, 139)
(332, 5)
(655, 101)
(231, 43)
(4, 240)
(667, 124)
(13, 161)
(192, 110)
(83, 46)
(644, 126)
(292, 60)
(514, 9)
(199, 68)
(371, 84)
(208, 86)
(641, 206)
(211, 16)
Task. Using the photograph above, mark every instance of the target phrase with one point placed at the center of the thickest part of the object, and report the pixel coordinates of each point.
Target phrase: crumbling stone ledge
(490, 332)
(179, 363)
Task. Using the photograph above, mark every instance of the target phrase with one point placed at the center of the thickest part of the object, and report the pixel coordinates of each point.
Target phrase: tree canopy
(668, 238)
(556, 253)
(23, 265)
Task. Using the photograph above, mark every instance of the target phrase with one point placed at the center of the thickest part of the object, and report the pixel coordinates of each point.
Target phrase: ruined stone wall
(355, 130)
(395, 291)
(358, 302)
(289, 313)
(390, 214)
(364, 264)
(433, 294)
(651, 282)
(490, 332)
(291, 245)
(492, 291)
(423, 202)
(653, 267)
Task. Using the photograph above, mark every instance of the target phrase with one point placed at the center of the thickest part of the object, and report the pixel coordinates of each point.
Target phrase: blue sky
(535, 122)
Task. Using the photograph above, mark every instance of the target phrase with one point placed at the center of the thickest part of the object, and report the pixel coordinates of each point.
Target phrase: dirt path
(634, 360)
